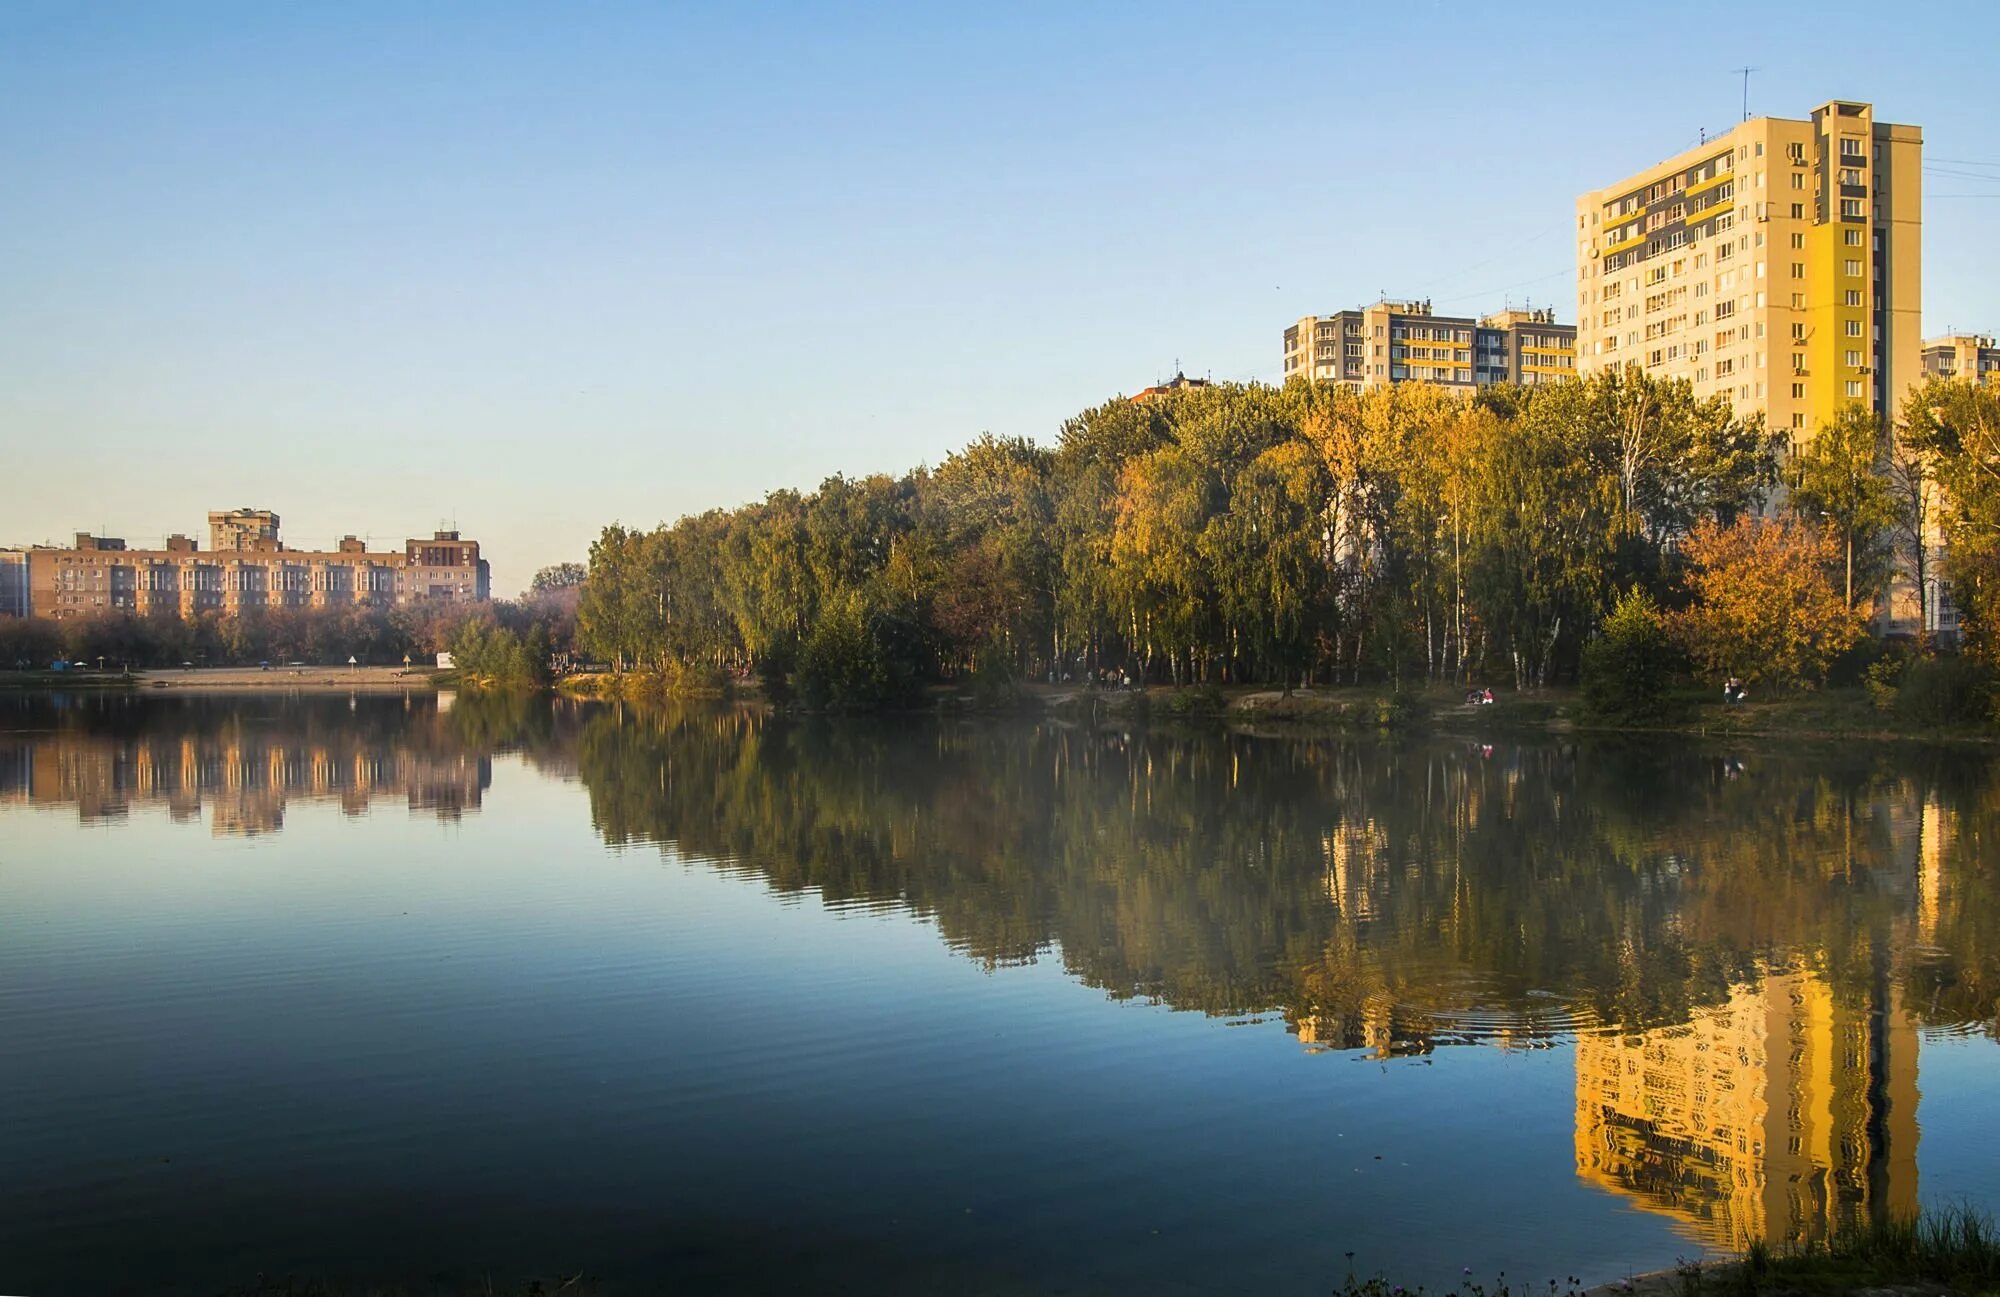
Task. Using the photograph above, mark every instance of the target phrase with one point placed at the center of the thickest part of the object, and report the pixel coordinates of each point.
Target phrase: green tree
(1837, 481)
(1955, 424)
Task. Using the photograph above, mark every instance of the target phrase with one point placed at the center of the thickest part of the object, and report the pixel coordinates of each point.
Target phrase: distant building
(1178, 383)
(247, 567)
(1776, 265)
(1396, 342)
(1963, 355)
(13, 583)
(243, 529)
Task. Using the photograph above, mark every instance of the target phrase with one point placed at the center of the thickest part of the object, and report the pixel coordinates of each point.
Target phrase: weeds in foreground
(1954, 1248)
(1501, 1287)
(577, 1286)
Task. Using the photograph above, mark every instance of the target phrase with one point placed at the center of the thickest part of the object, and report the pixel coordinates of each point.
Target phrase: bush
(1400, 710)
(853, 659)
(1946, 691)
(1628, 670)
(1197, 700)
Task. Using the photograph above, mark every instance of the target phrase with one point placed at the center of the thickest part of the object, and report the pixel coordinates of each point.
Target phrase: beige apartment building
(1970, 356)
(1777, 265)
(1396, 342)
(246, 567)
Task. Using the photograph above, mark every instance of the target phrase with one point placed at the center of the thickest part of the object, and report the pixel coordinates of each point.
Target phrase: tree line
(1245, 533)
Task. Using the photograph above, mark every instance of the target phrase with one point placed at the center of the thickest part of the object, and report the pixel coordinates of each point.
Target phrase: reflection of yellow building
(1783, 1114)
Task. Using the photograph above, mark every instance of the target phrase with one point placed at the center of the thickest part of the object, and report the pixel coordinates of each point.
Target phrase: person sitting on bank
(1733, 691)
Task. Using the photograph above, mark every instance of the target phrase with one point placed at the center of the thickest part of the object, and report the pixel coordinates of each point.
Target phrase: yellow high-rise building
(1777, 265)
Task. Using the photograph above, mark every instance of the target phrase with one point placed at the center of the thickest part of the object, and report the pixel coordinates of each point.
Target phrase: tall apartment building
(1963, 355)
(1395, 342)
(1777, 265)
(248, 567)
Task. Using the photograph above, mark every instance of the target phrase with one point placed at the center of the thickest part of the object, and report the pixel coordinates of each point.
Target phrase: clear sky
(541, 267)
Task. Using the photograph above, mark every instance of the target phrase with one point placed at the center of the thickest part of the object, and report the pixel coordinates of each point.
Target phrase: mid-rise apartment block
(247, 567)
(1396, 342)
(1777, 265)
(1970, 356)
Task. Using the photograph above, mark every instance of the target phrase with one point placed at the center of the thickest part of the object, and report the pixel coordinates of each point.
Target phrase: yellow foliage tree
(1765, 607)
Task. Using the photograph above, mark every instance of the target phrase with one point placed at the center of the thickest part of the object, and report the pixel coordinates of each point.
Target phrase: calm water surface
(419, 991)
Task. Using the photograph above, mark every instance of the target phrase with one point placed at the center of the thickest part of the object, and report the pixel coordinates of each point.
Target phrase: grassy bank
(1955, 1250)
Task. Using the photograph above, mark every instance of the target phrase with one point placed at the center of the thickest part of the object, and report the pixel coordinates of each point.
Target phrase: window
(1798, 180)
(1850, 207)
(1798, 391)
(1854, 328)
(1854, 388)
(1854, 297)
(1798, 270)
(1798, 421)
(1854, 360)
(1798, 240)
(1853, 268)
(1798, 211)
(1799, 330)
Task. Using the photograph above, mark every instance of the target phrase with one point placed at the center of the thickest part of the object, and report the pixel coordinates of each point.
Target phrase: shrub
(853, 659)
(1946, 691)
(1196, 700)
(1628, 670)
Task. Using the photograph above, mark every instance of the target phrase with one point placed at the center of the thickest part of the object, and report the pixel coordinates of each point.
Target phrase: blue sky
(539, 268)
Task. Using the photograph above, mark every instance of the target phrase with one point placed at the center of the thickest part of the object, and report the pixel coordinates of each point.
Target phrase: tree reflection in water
(1744, 944)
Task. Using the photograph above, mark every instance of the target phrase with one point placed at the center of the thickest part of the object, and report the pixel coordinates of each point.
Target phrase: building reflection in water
(1742, 953)
(244, 778)
(1784, 1114)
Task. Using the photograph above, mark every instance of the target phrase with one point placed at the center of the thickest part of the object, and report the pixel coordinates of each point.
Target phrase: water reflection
(1742, 945)
(1788, 1112)
(1742, 948)
(244, 762)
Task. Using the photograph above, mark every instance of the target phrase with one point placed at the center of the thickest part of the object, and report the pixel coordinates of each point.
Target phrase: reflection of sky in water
(392, 1044)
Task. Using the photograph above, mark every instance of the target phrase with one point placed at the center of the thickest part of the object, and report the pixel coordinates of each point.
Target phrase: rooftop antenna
(1746, 71)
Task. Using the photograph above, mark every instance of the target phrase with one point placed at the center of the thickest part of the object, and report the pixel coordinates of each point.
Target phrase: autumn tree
(1764, 605)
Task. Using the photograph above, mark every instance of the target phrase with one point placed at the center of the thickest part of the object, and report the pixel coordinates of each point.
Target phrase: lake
(421, 990)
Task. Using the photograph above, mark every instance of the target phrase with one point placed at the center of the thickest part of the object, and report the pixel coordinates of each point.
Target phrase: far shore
(284, 678)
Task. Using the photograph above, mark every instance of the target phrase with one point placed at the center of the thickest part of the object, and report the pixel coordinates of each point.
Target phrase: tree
(1628, 668)
(1913, 521)
(1837, 482)
(1764, 606)
(558, 576)
(1956, 424)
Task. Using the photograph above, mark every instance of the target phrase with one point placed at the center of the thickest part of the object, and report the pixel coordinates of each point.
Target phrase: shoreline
(1835, 715)
(232, 680)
